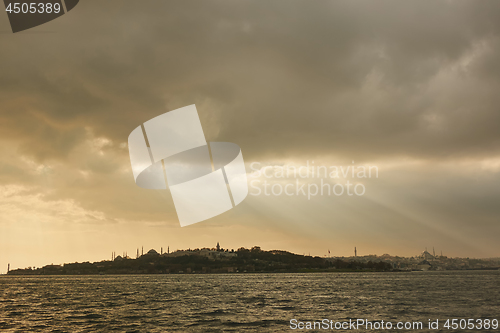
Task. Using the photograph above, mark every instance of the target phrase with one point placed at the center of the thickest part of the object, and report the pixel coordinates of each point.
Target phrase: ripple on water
(246, 302)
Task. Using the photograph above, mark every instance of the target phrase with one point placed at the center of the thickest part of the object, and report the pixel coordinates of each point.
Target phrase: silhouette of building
(426, 255)
(152, 252)
(218, 246)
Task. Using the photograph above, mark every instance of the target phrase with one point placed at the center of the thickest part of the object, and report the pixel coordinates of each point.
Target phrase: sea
(251, 302)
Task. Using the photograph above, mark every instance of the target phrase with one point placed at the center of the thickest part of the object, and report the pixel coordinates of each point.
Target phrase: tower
(161, 251)
(433, 252)
(168, 249)
(142, 251)
(137, 255)
(218, 246)
(355, 252)
(8, 268)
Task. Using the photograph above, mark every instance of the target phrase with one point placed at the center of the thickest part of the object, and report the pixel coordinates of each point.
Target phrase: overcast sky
(409, 86)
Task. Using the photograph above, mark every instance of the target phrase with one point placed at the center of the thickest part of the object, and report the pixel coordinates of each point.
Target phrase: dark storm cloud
(357, 79)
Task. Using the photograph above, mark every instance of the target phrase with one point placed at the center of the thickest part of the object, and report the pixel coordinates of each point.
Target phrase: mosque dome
(152, 252)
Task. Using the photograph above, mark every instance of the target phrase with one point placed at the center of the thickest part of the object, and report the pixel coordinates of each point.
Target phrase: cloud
(384, 79)
(21, 205)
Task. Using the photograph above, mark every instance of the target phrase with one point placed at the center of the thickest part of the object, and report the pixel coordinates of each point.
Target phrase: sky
(408, 87)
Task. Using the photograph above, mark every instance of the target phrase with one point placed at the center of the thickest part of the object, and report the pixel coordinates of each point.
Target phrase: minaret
(137, 255)
(168, 249)
(218, 246)
(355, 252)
(161, 251)
(8, 268)
(433, 252)
(142, 251)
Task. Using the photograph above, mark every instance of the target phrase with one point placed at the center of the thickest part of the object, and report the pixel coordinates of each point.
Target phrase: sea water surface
(241, 302)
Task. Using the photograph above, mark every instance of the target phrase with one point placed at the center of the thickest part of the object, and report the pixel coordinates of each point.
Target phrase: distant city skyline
(140, 252)
(231, 259)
